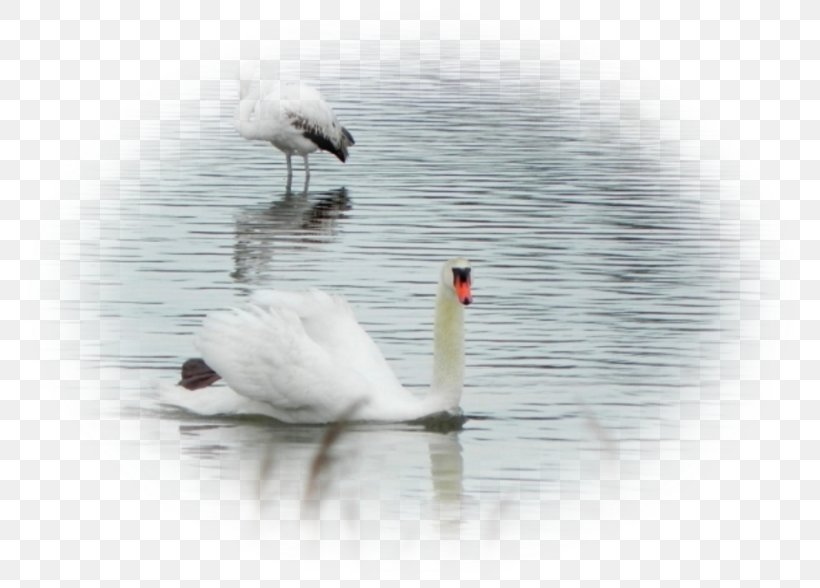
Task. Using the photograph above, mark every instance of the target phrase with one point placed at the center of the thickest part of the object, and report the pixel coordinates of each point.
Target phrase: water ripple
(596, 273)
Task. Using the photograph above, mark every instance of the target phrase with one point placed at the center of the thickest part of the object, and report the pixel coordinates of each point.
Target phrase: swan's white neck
(448, 349)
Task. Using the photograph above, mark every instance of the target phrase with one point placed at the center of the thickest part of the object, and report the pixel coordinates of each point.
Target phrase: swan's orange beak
(464, 294)
(462, 286)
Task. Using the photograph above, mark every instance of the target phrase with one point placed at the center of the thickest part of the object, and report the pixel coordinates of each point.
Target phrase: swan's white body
(302, 357)
(293, 117)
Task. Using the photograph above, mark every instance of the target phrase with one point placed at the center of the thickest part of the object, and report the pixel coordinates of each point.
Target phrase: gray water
(596, 282)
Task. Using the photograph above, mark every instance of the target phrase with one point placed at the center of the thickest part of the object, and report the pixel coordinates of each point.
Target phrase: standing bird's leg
(307, 172)
(290, 172)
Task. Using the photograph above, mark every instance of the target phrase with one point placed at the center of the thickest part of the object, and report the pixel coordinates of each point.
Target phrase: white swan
(301, 357)
(293, 117)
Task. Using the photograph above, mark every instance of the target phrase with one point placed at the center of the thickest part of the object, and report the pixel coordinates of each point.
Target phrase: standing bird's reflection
(293, 222)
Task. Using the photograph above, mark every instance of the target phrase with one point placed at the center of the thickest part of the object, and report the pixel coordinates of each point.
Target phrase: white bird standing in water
(294, 118)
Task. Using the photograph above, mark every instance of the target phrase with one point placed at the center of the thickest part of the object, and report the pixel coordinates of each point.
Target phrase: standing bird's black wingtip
(325, 144)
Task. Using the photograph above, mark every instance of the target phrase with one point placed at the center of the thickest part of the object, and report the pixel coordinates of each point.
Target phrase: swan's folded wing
(265, 354)
(329, 321)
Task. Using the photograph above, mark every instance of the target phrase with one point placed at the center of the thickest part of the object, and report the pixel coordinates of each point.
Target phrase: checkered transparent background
(735, 504)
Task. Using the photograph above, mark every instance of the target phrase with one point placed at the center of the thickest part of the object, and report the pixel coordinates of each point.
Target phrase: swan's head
(455, 276)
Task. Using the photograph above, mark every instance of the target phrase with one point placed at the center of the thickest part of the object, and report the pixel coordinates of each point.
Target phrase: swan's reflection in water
(368, 463)
(295, 221)
(447, 473)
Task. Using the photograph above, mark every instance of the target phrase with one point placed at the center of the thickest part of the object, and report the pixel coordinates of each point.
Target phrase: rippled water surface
(595, 279)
